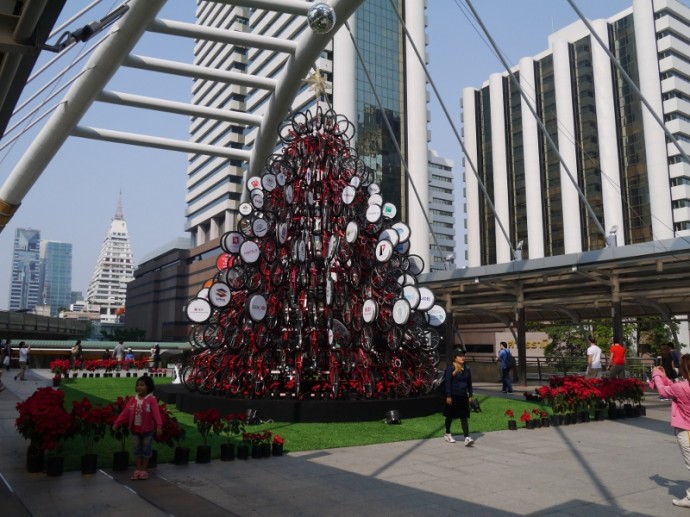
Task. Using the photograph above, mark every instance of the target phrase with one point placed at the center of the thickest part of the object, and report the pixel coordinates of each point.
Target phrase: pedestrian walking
(76, 355)
(7, 354)
(617, 361)
(593, 359)
(503, 357)
(24, 350)
(679, 393)
(119, 351)
(458, 396)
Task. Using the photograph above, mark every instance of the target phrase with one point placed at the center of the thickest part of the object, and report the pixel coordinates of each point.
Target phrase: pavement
(615, 467)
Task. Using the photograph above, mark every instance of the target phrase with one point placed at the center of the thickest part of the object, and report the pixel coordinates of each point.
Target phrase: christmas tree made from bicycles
(316, 293)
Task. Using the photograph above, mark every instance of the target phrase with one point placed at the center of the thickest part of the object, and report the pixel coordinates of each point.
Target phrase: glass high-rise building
(633, 177)
(25, 285)
(56, 275)
(214, 184)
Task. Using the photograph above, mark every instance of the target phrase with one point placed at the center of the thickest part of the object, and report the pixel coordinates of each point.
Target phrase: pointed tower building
(115, 268)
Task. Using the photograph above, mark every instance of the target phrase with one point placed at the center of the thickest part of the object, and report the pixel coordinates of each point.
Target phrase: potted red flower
(230, 425)
(278, 442)
(526, 418)
(121, 434)
(206, 421)
(172, 434)
(90, 423)
(44, 421)
(512, 425)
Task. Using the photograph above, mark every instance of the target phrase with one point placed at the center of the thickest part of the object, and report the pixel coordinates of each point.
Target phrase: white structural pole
(416, 109)
(530, 145)
(473, 197)
(100, 68)
(606, 130)
(344, 65)
(500, 167)
(654, 135)
(570, 202)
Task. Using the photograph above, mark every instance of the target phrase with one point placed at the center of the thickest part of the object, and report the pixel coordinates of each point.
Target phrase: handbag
(475, 406)
(6, 361)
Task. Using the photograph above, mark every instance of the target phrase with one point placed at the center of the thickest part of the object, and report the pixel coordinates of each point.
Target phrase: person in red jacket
(142, 416)
(617, 358)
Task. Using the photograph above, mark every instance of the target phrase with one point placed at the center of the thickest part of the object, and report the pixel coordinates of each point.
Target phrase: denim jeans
(507, 383)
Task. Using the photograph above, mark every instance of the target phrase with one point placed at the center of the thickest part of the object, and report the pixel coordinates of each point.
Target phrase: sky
(76, 197)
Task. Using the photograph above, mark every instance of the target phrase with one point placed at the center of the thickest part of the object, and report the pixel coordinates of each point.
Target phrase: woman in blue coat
(458, 396)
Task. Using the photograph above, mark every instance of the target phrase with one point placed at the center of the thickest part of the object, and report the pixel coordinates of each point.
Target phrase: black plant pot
(555, 420)
(529, 424)
(243, 452)
(613, 411)
(642, 411)
(203, 454)
(227, 452)
(630, 411)
(545, 422)
(537, 423)
(120, 461)
(55, 466)
(599, 415)
(89, 464)
(265, 450)
(257, 451)
(181, 456)
(512, 425)
(277, 449)
(35, 460)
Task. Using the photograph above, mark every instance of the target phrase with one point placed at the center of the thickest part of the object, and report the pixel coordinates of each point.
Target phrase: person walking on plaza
(458, 396)
(76, 355)
(669, 362)
(142, 417)
(679, 393)
(156, 356)
(23, 360)
(593, 359)
(617, 361)
(503, 357)
(119, 351)
(7, 352)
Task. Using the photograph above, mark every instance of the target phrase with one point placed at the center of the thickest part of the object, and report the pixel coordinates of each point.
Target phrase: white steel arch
(114, 52)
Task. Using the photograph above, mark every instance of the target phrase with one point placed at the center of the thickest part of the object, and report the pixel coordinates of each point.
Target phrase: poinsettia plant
(172, 432)
(526, 416)
(59, 367)
(278, 440)
(231, 425)
(122, 432)
(510, 414)
(205, 422)
(43, 419)
(90, 422)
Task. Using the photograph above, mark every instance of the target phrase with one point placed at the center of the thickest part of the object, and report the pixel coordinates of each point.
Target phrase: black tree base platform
(311, 410)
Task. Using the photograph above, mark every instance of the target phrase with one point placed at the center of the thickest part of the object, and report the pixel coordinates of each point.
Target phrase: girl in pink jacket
(679, 393)
(143, 418)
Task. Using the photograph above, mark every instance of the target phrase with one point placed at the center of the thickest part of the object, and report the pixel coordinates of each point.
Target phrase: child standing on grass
(142, 417)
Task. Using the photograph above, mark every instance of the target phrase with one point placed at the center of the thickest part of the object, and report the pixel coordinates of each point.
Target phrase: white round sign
(369, 310)
(268, 182)
(257, 307)
(232, 242)
(402, 248)
(349, 194)
(351, 232)
(355, 181)
(411, 294)
(288, 192)
(253, 183)
(249, 251)
(426, 299)
(373, 213)
(198, 310)
(282, 230)
(257, 197)
(389, 210)
(384, 251)
(390, 235)
(260, 227)
(401, 312)
(245, 208)
(403, 230)
(376, 199)
(219, 294)
(373, 189)
(437, 316)
(416, 264)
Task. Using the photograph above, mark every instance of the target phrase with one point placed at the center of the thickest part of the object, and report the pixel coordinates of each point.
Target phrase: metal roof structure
(648, 279)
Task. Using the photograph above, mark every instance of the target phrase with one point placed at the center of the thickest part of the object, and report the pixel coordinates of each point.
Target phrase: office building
(25, 286)
(635, 180)
(56, 275)
(441, 213)
(115, 268)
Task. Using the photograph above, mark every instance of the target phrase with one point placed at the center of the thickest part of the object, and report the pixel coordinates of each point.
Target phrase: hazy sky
(75, 198)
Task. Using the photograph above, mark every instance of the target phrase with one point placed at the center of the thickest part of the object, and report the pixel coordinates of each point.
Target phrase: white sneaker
(685, 502)
(449, 438)
(469, 442)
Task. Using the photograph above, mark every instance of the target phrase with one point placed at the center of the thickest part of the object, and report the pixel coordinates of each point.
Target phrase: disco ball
(321, 18)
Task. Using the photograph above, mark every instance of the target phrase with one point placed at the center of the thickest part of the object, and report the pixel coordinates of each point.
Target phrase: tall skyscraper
(115, 268)
(441, 213)
(26, 271)
(214, 184)
(56, 275)
(633, 177)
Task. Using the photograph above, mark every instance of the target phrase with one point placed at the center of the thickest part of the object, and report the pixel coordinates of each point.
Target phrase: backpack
(510, 360)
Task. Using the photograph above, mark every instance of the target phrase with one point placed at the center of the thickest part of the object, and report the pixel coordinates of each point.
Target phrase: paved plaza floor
(616, 467)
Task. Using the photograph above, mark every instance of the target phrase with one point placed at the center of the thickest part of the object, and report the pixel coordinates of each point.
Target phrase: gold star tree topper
(318, 83)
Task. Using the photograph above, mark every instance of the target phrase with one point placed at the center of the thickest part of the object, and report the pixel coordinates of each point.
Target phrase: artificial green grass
(298, 436)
